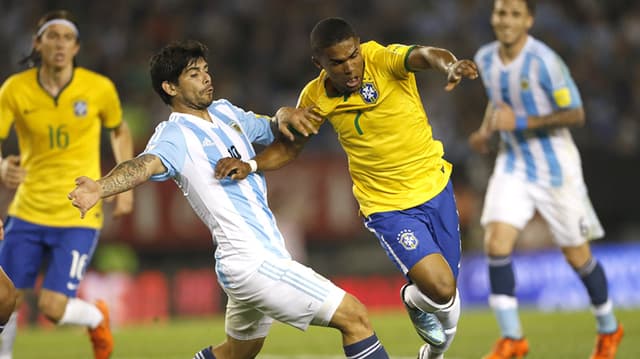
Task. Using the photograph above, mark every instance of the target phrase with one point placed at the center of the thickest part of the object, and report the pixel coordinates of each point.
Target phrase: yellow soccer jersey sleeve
(393, 159)
(59, 140)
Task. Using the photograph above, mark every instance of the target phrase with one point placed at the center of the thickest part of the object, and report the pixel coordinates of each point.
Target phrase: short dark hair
(34, 58)
(168, 63)
(531, 6)
(329, 32)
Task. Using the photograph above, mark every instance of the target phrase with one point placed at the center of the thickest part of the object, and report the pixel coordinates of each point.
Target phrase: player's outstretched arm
(427, 57)
(123, 177)
(302, 121)
(504, 119)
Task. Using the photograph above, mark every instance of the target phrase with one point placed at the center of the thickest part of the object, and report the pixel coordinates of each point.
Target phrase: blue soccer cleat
(427, 325)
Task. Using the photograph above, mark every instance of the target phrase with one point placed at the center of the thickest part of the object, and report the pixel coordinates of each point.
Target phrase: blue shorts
(411, 234)
(66, 251)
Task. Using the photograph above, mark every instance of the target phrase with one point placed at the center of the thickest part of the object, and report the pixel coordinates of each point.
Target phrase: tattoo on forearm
(126, 175)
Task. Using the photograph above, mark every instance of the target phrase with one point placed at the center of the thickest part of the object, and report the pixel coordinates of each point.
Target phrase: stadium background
(156, 258)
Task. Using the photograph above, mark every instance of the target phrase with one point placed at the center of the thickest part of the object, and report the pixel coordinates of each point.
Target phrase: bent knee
(351, 316)
(443, 291)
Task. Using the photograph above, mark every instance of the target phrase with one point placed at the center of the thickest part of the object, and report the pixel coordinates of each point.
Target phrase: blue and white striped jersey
(536, 83)
(236, 212)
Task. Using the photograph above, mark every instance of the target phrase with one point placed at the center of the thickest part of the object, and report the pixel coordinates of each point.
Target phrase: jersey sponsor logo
(80, 108)
(407, 239)
(369, 93)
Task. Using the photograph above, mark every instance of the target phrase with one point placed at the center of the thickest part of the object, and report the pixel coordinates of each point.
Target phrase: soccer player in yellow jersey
(58, 111)
(369, 95)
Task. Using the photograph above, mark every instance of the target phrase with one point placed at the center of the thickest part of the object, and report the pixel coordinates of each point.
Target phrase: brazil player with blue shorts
(253, 267)
(401, 181)
(532, 103)
(58, 111)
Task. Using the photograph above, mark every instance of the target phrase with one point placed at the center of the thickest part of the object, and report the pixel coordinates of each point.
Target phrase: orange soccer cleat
(607, 344)
(101, 337)
(507, 348)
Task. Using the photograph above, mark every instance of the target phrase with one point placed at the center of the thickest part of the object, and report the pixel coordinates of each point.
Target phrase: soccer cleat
(427, 325)
(101, 337)
(507, 348)
(607, 344)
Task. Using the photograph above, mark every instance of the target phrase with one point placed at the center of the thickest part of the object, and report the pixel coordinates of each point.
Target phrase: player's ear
(169, 88)
(530, 21)
(36, 43)
(316, 62)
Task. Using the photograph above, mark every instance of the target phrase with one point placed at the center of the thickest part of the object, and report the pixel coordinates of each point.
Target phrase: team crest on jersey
(80, 108)
(524, 84)
(408, 239)
(368, 92)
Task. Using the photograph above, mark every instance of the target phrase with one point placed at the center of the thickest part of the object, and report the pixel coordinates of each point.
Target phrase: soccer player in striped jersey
(368, 93)
(58, 110)
(532, 103)
(253, 267)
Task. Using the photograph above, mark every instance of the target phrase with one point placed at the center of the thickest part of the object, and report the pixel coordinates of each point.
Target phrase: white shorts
(280, 289)
(567, 209)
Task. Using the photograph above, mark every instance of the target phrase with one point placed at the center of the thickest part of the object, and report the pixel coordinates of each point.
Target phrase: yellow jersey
(59, 140)
(394, 161)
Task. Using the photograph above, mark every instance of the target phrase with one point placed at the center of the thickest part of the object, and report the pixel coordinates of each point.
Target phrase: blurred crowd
(260, 58)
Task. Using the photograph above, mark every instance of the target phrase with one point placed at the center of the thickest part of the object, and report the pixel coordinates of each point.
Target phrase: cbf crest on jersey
(80, 108)
(407, 239)
(369, 92)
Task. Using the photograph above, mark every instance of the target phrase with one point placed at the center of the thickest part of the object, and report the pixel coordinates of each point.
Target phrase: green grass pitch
(557, 335)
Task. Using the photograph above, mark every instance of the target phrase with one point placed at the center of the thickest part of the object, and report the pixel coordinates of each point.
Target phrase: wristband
(522, 123)
(253, 165)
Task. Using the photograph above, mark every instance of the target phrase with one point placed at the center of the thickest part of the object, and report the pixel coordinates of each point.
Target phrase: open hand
(459, 70)
(305, 121)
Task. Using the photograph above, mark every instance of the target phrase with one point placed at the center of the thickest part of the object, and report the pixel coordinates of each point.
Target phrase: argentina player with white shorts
(253, 267)
(532, 103)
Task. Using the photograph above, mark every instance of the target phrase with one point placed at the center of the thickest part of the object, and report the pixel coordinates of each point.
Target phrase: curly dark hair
(168, 63)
